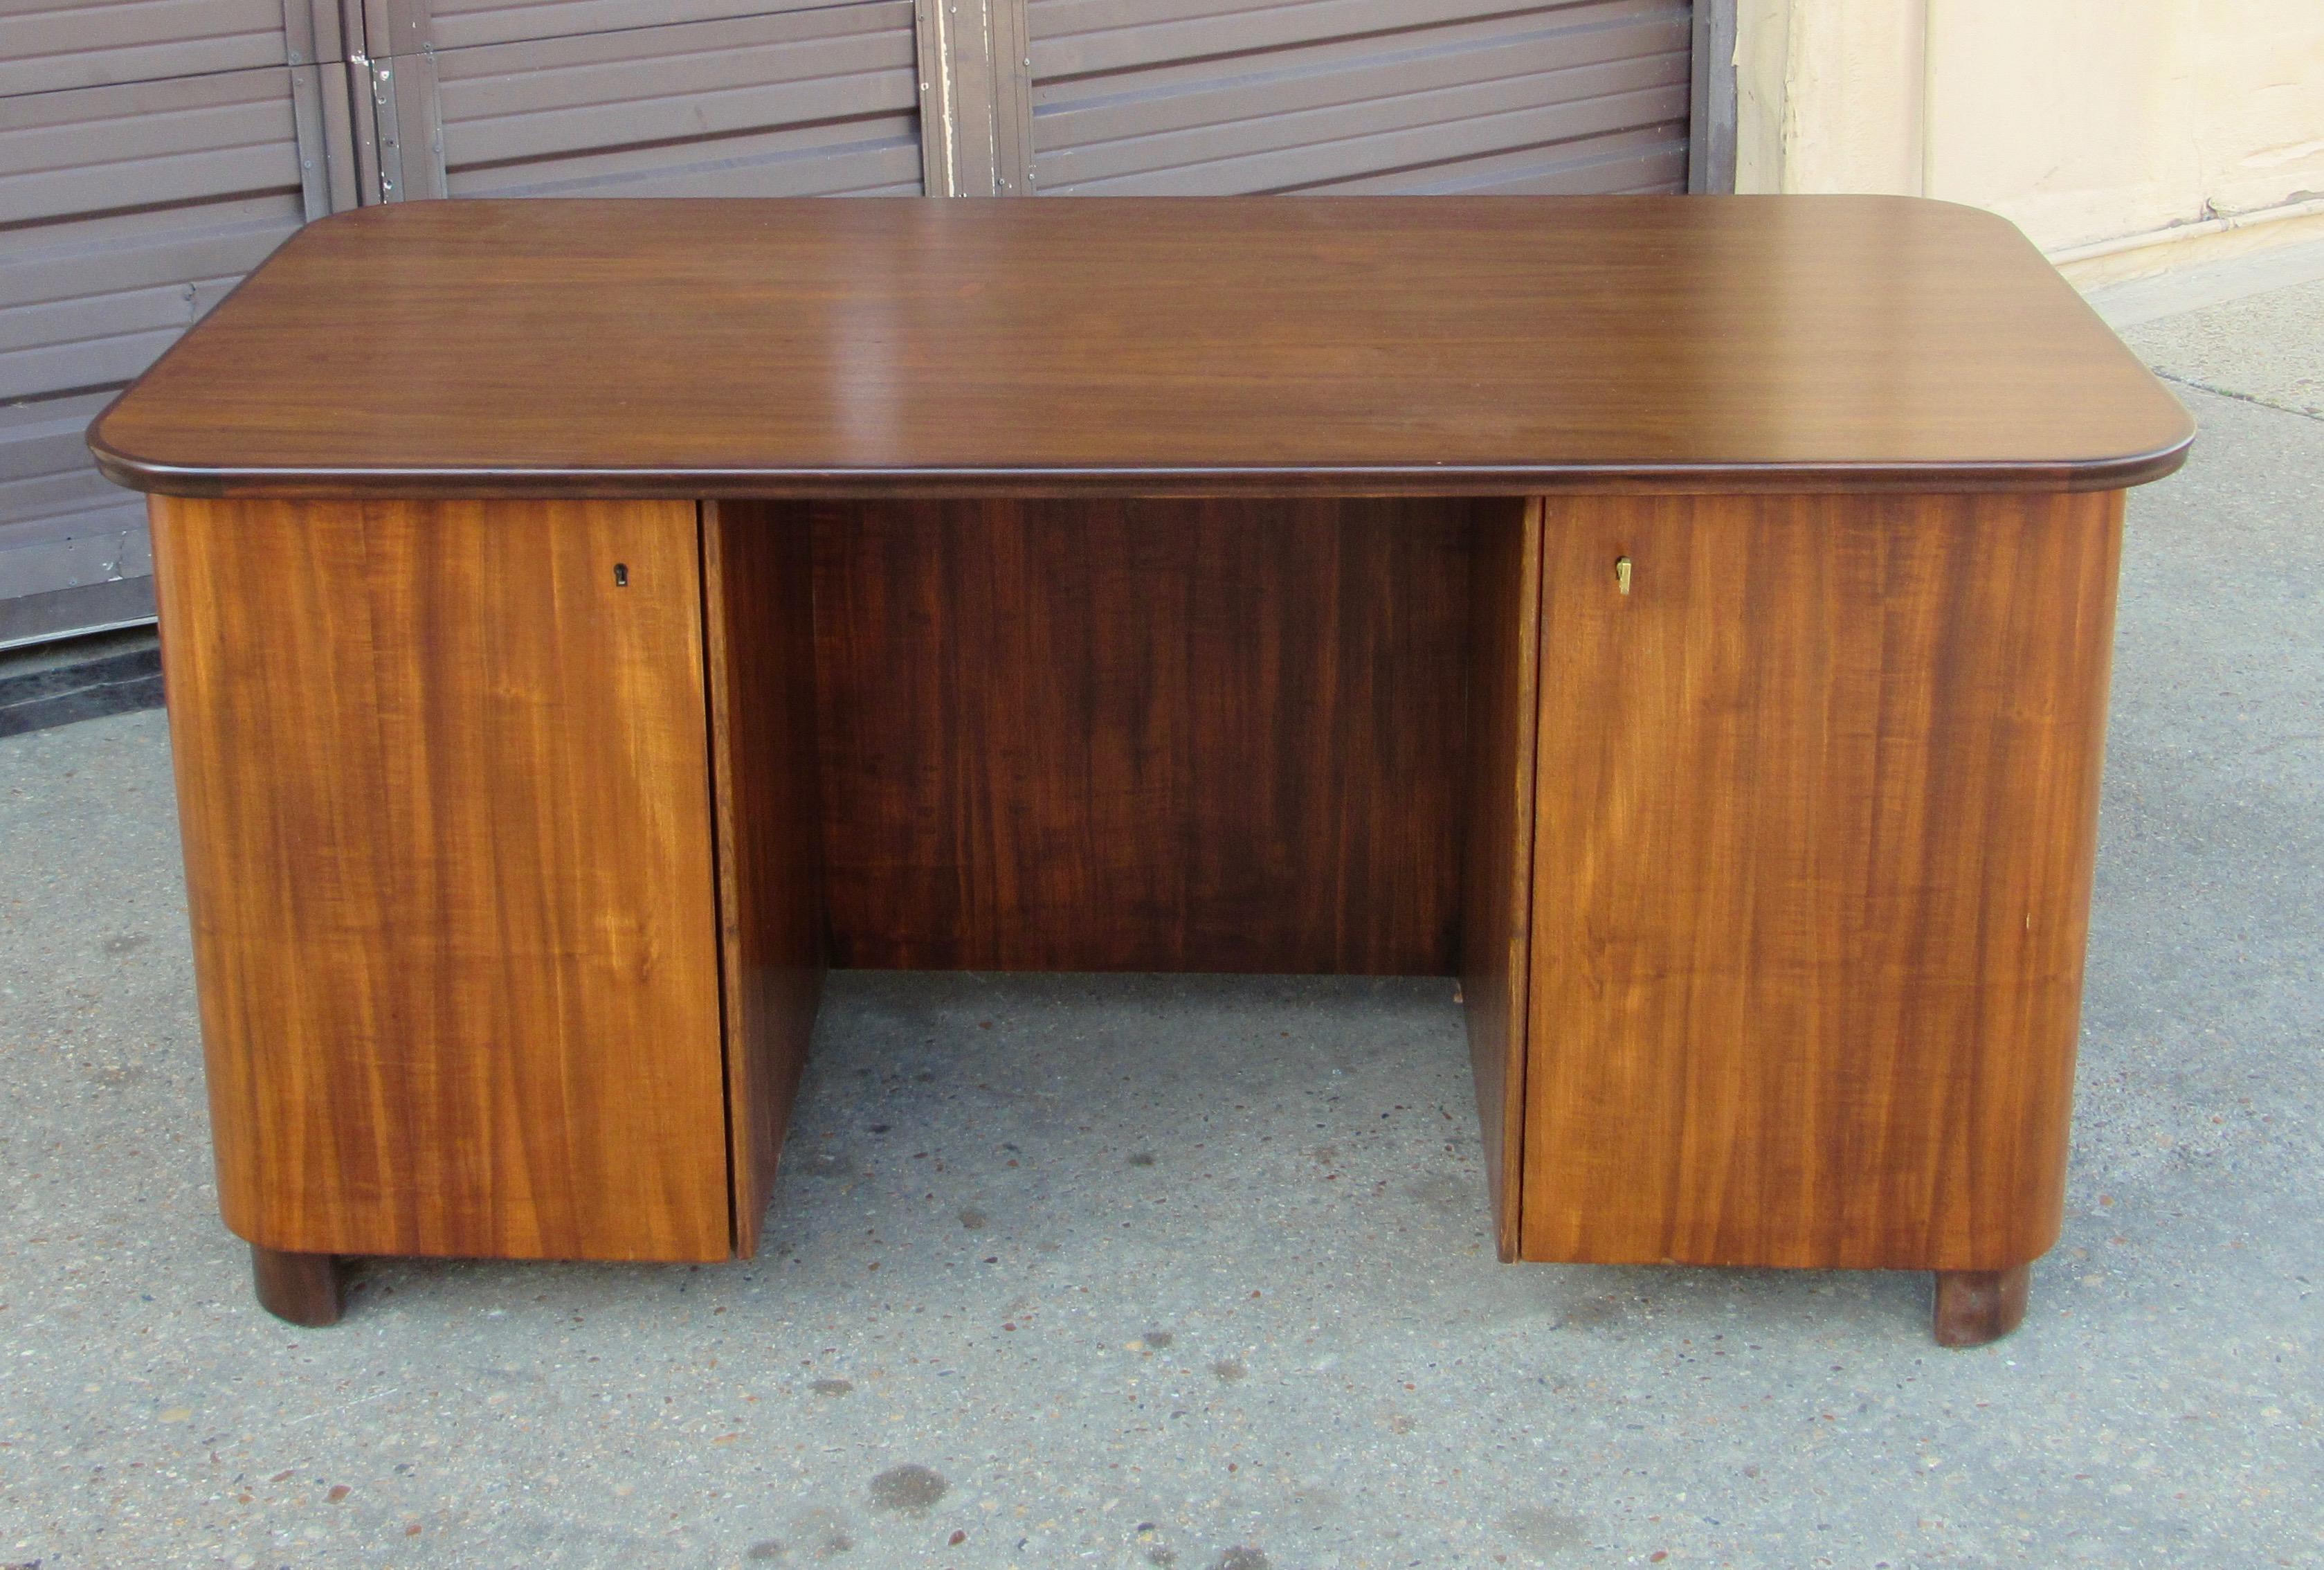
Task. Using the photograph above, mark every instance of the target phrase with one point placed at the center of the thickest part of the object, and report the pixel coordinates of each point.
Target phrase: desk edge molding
(1515, 479)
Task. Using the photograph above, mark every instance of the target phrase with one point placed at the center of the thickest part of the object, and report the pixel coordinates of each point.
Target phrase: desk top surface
(1232, 344)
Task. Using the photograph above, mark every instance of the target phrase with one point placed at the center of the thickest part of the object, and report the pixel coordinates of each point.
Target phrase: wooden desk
(1686, 619)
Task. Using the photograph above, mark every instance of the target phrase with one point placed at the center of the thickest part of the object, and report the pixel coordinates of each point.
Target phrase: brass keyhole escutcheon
(1622, 573)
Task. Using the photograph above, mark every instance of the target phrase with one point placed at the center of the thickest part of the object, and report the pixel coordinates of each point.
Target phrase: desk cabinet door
(1817, 797)
(443, 778)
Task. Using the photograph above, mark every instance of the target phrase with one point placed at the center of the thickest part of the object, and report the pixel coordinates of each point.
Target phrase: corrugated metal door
(1415, 96)
(150, 154)
(647, 98)
(1055, 97)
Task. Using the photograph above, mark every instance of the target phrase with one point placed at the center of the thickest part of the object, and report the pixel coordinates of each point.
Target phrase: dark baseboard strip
(85, 678)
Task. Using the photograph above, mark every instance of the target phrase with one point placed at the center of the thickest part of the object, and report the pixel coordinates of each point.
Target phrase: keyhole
(620, 575)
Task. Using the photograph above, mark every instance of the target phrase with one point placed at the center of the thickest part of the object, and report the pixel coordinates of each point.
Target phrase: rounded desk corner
(2140, 468)
(111, 462)
(1958, 212)
(135, 474)
(130, 473)
(331, 227)
(368, 215)
(1939, 209)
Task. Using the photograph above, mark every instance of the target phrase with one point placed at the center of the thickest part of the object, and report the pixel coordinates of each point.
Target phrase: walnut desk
(1685, 619)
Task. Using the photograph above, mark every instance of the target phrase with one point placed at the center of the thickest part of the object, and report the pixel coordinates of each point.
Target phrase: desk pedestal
(518, 834)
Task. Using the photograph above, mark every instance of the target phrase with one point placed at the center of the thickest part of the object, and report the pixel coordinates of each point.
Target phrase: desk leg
(303, 1288)
(1817, 802)
(1978, 1306)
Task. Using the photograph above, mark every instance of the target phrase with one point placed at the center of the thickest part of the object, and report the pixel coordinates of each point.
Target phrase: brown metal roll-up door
(636, 97)
(1205, 97)
(150, 154)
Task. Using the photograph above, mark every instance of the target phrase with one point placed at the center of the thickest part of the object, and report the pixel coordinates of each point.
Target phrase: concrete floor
(1168, 1271)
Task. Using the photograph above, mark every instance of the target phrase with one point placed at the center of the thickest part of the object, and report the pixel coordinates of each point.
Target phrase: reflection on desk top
(1216, 346)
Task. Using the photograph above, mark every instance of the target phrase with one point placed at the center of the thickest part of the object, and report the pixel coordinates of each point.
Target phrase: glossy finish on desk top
(1214, 345)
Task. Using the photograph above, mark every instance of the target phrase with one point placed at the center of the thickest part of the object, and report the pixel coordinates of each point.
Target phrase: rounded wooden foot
(303, 1288)
(1976, 1307)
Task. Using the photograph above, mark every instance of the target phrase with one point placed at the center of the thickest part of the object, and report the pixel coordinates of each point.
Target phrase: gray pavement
(1194, 1272)
(2266, 348)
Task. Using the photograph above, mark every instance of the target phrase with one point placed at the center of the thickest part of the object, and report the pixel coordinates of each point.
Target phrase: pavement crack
(2238, 397)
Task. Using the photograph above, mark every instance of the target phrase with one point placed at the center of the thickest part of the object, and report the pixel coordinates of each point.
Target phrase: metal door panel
(796, 103)
(1214, 97)
(466, 23)
(1353, 70)
(134, 207)
(73, 552)
(1627, 162)
(1074, 38)
(141, 143)
(796, 160)
(87, 311)
(46, 47)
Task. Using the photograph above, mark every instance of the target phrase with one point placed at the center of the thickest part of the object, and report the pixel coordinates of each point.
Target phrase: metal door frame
(1711, 128)
(976, 97)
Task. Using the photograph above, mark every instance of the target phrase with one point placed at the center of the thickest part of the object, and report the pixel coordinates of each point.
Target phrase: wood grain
(758, 584)
(1163, 735)
(1425, 345)
(1496, 890)
(444, 788)
(1817, 807)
